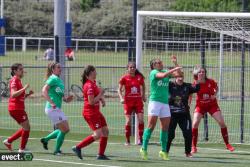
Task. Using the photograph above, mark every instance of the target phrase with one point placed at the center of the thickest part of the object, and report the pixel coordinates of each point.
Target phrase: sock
(163, 140)
(128, 132)
(146, 136)
(15, 136)
(140, 129)
(52, 135)
(103, 144)
(88, 140)
(24, 138)
(59, 140)
(224, 134)
(194, 137)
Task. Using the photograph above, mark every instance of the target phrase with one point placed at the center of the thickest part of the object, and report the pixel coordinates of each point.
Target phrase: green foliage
(87, 5)
(207, 5)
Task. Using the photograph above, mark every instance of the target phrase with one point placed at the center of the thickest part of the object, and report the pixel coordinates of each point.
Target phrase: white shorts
(55, 115)
(159, 109)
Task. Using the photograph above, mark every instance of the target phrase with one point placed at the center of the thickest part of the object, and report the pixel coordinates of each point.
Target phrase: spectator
(49, 53)
(69, 54)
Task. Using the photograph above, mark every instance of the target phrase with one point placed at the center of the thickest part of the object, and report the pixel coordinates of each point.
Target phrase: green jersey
(56, 90)
(159, 90)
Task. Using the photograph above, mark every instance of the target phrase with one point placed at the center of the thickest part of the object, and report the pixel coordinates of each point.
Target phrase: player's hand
(31, 92)
(174, 59)
(68, 98)
(53, 105)
(103, 103)
(122, 101)
(144, 98)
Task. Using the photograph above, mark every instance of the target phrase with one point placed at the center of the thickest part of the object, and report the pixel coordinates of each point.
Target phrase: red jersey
(16, 103)
(132, 86)
(207, 90)
(90, 88)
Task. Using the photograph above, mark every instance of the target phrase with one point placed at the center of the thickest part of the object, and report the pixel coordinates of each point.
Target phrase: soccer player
(93, 96)
(158, 106)
(179, 92)
(206, 102)
(53, 92)
(16, 107)
(133, 83)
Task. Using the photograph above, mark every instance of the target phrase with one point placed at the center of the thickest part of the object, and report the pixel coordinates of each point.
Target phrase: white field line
(205, 148)
(74, 163)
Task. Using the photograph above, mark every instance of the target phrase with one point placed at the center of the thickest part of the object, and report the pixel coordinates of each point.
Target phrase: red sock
(194, 137)
(24, 138)
(128, 132)
(224, 134)
(103, 144)
(88, 140)
(15, 135)
(141, 128)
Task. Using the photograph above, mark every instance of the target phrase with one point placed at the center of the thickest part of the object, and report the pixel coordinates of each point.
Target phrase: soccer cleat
(7, 144)
(194, 150)
(127, 144)
(144, 154)
(77, 151)
(45, 143)
(189, 155)
(57, 153)
(230, 148)
(23, 150)
(102, 157)
(164, 155)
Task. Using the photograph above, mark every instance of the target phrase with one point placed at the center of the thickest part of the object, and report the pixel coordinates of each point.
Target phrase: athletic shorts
(133, 106)
(19, 115)
(95, 121)
(159, 109)
(55, 115)
(211, 109)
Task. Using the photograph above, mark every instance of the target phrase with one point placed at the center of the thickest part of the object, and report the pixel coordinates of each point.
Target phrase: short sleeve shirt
(56, 90)
(132, 86)
(159, 88)
(16, 103)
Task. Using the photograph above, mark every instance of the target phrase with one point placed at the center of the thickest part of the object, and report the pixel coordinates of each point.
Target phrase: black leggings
(185, 123)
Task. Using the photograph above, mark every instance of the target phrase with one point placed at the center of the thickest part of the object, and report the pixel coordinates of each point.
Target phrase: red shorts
(95, 121)
(133, 106)
(211, 109)
(19, 115)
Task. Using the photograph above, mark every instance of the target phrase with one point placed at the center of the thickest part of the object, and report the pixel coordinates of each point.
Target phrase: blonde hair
(50, 68)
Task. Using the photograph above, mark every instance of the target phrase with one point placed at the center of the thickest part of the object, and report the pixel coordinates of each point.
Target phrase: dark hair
(137, 72)
(50, 68)
(197, 69)
(86, 72)
(14, 68)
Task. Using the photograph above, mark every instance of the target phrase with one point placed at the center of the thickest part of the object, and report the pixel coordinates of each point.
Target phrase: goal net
(216, 39)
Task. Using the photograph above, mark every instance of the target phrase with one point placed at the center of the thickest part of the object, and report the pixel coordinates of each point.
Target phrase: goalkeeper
(179, 93)
(158, 106)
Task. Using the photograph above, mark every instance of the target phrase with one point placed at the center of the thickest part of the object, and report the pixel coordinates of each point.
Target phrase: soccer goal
(219, 41)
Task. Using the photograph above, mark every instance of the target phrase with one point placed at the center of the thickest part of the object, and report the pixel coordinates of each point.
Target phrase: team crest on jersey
(134, 90)
(96, 125)
(59, 90)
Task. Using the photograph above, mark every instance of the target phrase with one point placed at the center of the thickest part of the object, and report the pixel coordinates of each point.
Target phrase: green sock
(146, 136)
(59, 140)
(52, 135)
(164, 140)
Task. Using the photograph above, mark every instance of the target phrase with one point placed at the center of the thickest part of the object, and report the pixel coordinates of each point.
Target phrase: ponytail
(86, 72)
(50, 68)
(14, 68)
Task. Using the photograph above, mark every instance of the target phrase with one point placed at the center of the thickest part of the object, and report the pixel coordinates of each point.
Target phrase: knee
(196, 124)
(105, 132)
(222, 124)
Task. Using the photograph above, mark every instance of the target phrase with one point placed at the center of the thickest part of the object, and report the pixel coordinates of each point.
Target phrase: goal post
(163, 33)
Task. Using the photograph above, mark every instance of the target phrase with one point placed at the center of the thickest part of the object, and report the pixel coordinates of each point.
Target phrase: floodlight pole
(59, 34)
